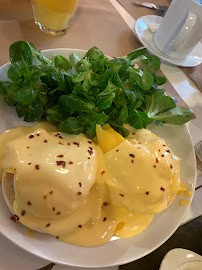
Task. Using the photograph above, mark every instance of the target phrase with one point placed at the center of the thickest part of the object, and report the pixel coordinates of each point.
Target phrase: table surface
(114, 33)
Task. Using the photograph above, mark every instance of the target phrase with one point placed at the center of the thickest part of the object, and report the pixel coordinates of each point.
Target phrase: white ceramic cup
(181, 28)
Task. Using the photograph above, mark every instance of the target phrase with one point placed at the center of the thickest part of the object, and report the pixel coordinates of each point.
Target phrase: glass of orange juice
(53, 16)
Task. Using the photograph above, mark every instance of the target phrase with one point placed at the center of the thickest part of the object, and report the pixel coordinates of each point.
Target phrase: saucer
(144, 34)
(181, 259)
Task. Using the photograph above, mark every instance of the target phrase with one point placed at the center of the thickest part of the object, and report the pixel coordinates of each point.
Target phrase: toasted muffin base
(8, 189)
(9, 193)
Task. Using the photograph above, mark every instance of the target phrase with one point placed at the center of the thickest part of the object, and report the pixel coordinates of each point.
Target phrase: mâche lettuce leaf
(76, 94)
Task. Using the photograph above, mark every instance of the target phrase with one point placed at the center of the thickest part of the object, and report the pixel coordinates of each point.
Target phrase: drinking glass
(53, 16)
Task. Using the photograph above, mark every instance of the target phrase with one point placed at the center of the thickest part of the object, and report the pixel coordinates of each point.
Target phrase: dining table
(110, 26)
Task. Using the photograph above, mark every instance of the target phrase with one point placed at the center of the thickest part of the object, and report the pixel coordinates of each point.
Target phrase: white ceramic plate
(146, 37)
(118, 251)
(181, 259)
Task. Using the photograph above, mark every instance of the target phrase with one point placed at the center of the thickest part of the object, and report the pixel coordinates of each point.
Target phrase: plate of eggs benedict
(94, 202)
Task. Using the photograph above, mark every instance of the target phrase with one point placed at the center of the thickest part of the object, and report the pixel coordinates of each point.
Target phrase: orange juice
(53, 16)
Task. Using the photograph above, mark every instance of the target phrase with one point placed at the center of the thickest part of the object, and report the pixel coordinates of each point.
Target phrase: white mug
(181, 28)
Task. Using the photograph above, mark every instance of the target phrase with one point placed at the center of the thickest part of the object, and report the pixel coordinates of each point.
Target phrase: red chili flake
(159, 150)
(58, 213)
(56, 135)
(133, 133)
(23, 213)
(88, 157)
(38, 134)
(132, 161)
(105, 203)
(68, 143)
(29, 163)
(31, 136)
(157, 161)
(50, 192)
(80, 184)
(121, 195)
(57, 237)
(45, 141)
(131, 155)
(147, 193)
(91, 148)
(37, 167)
(60, 137)
(61, 162)
(89, 142)
(139, 147)
(104, 219)
(29, 203)
(53, 208)
(162, 188)
(154, 166)
(168, 151)
(76, 143)
(79, 193)
(27, 147)
(171, 166)
(60, 143)
(162, 155)
(60, 156)
(14, 218)
(102, 172)
(45, 196)
(80, 226)
(70, 162)
(117, 150)
(164, 145)
(47, 225)
(90, 152)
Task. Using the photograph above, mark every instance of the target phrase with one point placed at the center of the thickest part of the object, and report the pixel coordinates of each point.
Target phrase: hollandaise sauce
(84, 194)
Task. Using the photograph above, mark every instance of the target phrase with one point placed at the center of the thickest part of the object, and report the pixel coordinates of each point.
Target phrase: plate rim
(176, 62)
(175, 253)
(126, 260)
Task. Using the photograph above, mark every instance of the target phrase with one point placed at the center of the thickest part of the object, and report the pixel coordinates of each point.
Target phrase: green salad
(76, 94)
